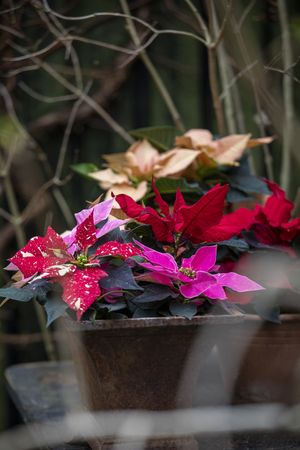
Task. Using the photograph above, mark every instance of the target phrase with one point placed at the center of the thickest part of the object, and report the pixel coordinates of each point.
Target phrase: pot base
(180, 443)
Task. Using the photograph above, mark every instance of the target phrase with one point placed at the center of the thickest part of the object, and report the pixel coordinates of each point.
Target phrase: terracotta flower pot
(260, 360)
(150, 364)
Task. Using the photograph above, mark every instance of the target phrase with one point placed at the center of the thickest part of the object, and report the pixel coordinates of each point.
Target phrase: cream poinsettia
(225, 151)
(128, 172)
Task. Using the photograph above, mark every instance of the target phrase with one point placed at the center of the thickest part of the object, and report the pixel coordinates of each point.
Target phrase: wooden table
(48, 390)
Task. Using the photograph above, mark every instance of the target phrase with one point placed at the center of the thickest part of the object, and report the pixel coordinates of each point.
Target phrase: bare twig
(245, 14)
(237, 77)
(124, 16)
(213, 77)
(283, 72)
(288, 127)
(244, 52)
(221, 31)
(152, 69)
(200, 21)
(89, 100)
(66, 137)
(58, 31)
(45, 98)
(224, 76)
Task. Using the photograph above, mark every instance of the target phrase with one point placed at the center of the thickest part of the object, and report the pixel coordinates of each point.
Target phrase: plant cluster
(161, 257)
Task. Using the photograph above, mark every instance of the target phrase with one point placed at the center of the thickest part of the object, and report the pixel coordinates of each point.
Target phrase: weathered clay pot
(150, 363)
(260, 360)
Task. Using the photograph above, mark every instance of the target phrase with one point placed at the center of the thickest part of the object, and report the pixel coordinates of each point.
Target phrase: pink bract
(193, 275)
(100, 212)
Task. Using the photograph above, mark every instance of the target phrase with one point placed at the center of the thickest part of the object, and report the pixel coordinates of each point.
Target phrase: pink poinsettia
(196, 275)
(49, 258)
(204, 221)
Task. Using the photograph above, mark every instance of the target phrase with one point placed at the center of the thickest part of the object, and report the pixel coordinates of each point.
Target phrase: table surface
(48, 390)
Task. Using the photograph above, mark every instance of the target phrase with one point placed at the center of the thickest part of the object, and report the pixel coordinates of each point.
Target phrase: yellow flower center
(81, 259)
(187, 271)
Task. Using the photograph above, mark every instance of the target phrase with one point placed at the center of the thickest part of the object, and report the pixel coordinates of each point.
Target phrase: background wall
(71, 90)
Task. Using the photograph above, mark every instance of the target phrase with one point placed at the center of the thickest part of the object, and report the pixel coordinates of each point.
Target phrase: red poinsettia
(78, 275)
(204, 221)
(272, 223)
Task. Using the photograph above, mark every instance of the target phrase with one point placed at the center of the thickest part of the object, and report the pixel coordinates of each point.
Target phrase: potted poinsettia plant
(144, 285)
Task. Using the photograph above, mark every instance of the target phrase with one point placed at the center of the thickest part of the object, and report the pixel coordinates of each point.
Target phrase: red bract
(49, 257)
(272, 223)
(114, 248)
(85, 235)
(200, 222)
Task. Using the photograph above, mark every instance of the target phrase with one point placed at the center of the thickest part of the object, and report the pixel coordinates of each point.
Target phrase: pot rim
(174, 321)
(148, 322)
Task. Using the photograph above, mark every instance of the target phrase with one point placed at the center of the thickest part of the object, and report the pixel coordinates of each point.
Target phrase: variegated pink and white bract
(49, 258)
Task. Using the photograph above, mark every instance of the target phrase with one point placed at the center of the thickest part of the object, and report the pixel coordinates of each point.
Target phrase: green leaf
(187, 310)
(41, 290)
(120, 278)
(267, 304)
(143, 313)
(154, 293)
(111, 307)
(170, 186)
(55, 308)
(239, 244)
(249, 184)
(24, 294)
(84, 169)
(163, 138)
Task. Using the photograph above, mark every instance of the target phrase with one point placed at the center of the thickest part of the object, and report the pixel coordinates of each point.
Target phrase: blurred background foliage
(72, 89)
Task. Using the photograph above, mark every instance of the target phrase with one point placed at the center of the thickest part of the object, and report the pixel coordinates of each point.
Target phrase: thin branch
(200, 21)
(62, 204)
(40, 52)
(124, 16)
(268, 160)
(224, 77)
(245, 14)
(152, 69)
(221, 32)
(44, 98)
(13, 73)
(14, 8)
(287, 71)
(213, 76)
(288, 127)
(89, 100)
(11, 30)
(237, 77)
(6, 215)
(67, 133)
(58, 31)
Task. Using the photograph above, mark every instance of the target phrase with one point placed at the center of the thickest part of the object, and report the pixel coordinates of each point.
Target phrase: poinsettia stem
(120, 291)
(46, 335)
